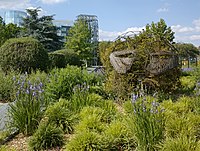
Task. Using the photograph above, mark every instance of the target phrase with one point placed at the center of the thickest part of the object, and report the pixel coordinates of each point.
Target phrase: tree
(8, 31)
(79, 40)
(187, 50)
(42, 28)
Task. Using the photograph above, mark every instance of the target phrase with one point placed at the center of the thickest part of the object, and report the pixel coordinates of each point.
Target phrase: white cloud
(14, 4)
(52, 1)
(197, 24)
(181, 29)
(194, 37)
(110, 35)
(164, 9)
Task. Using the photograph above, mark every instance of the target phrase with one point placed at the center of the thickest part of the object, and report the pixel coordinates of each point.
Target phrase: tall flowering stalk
(149, 122)
(26, 111)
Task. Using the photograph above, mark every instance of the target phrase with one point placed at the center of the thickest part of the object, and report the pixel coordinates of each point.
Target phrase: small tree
(23, 54)
(79, 39)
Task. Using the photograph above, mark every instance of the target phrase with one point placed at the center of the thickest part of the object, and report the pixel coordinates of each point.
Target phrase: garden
(56, 104)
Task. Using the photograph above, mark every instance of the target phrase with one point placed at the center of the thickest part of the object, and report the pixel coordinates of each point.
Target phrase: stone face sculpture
(158, 62)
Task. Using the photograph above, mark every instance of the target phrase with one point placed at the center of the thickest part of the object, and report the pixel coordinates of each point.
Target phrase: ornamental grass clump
(26, 111)
(61, 116)
(46, 136)
(148, 122)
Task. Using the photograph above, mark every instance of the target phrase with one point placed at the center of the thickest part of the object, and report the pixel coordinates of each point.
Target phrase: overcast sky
(118, 16)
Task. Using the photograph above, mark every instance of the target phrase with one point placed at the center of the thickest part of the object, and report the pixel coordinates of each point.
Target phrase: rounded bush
(23, 54)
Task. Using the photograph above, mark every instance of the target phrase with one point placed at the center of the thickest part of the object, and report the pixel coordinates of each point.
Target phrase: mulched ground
(20, 143)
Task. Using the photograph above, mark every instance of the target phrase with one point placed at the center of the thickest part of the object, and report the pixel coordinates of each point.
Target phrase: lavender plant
(26, 111)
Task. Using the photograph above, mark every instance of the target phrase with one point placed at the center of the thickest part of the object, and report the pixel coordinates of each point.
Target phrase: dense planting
(71, 109)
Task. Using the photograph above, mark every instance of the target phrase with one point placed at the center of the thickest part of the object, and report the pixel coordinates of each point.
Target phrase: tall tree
(42, 28)
(79, 39)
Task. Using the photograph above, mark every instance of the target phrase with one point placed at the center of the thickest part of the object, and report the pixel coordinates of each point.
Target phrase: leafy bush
(62, 82)
(86, 140)
(60, 115)
(61, 58)
(118, 137)
(47, 136)
(23, 54)
(27, 110)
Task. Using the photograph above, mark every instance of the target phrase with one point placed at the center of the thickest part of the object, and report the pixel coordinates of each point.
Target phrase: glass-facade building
(62, 27)
(14, 16)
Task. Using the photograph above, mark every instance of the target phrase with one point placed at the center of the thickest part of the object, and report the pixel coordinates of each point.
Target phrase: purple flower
(134, 98)
(27, 91)
(34, 94)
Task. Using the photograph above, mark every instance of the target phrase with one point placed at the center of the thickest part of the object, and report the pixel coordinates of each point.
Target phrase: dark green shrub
(60, 115)
(24, 54)
(47, 136)
(61, 58)
(85, 141)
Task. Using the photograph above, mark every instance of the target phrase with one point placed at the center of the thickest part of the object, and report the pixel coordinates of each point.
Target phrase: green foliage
(79, 39)
(180, 144)
(81, 99)
(42, 29)
(23, 54)
(6, 148)
(86, 140)
(149, 123)
(59, 115)
(62, 82)
(118, 137)
(156, 37)
(6, 86)
(8, 31)
(26, 111)
(91, 120)
(187, 50)
(188, 83)
(62, 58)
(179, 114)
(47, 136)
